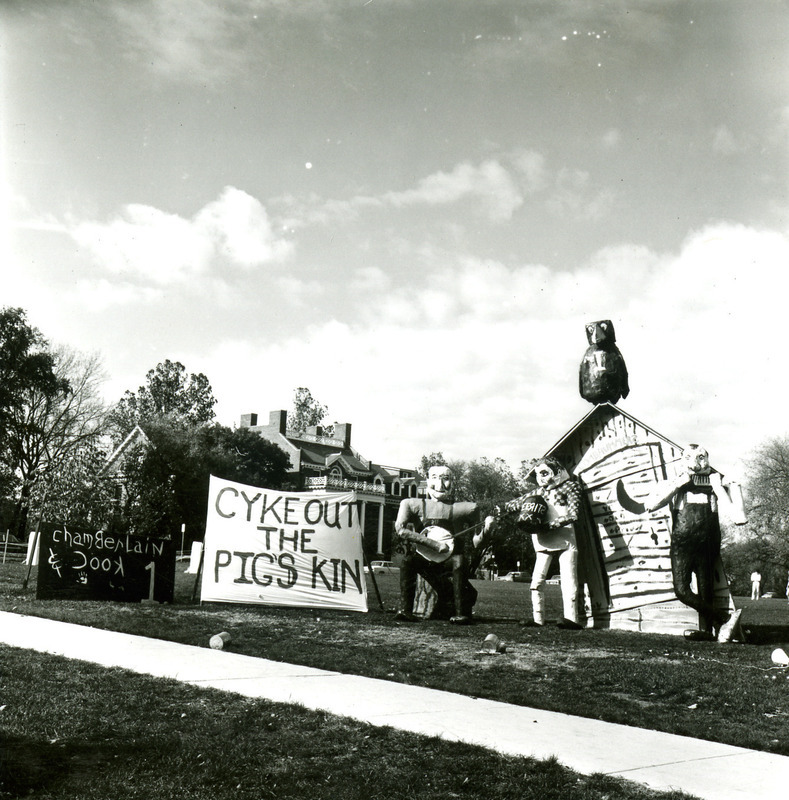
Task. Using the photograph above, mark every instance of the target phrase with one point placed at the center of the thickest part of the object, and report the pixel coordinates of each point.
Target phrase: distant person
(756, 585)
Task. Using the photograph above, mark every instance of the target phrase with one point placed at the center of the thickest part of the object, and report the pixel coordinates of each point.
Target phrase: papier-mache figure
(548, 512)
(695, 496)
(438, 534)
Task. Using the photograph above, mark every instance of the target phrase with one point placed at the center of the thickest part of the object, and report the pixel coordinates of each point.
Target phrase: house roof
(323, 455)
(136, 437)
(598, 409)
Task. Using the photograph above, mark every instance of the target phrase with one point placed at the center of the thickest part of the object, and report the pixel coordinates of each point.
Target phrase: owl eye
(590, 328)
(604, 326)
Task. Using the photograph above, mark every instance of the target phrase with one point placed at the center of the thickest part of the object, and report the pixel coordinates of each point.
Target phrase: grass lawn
(728, 693)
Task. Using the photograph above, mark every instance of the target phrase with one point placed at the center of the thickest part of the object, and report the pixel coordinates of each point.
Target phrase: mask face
(439, 483)
(544, 474)
(696, 460)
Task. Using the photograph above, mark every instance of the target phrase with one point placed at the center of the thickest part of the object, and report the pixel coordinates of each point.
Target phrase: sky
(411, 207)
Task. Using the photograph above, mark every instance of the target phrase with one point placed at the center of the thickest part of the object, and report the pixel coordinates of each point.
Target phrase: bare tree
(47, 432)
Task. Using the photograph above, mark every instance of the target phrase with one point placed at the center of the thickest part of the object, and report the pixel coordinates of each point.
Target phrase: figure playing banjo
(437, 533)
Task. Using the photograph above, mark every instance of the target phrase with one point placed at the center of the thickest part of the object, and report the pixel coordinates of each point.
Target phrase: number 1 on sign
(152, 568)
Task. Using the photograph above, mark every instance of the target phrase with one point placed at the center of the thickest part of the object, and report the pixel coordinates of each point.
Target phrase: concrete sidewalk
(659, 760)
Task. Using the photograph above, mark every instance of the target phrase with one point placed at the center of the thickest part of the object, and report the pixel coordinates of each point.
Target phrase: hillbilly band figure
(549, 512)
(439, 537)
(694, 497)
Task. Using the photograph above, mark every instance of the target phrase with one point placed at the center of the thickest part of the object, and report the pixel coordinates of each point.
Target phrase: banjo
(439, 535)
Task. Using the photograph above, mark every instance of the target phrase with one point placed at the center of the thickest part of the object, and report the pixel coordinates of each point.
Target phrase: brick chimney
(249, 420)
(342, 431)
(278, 420)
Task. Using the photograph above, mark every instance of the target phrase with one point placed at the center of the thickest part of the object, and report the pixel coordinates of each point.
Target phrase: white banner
(283, 548)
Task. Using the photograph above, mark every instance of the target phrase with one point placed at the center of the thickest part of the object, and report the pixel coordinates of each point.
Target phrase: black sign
(95, 565)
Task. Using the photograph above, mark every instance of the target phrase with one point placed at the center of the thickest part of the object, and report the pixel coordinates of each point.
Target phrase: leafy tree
(26, 366)
(765, 543)
(168, 392)
(487, 483)
(432, 460)
(166, 482)
(306, 412)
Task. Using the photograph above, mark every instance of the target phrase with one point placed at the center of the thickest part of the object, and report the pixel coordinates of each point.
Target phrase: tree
(307, 411)
(488, 484)
(767, 509)
(77, 492)
(432, 460)
(50, 433)
(167, 480)
(168, 392)
(26, 366)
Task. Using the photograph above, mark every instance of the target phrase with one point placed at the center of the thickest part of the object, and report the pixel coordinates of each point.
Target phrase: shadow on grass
(28, 764)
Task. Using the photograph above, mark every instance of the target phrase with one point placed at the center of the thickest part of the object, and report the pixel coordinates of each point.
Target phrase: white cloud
(612, 138)
(483, 359)
(498, 187)
(530, 165)
(575, 196)
(242, 230)
(103, 295)
(489, 183)
(155, 247)
(724, 142)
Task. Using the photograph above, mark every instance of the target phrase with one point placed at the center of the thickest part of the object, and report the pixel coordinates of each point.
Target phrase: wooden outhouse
(624, 556)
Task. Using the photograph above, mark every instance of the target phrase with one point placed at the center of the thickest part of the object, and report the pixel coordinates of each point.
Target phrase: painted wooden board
(632, 585)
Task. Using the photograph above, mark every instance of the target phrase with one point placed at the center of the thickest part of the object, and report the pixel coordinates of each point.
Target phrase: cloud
(205, 42)
(489, 183)
(482, 359)
(612, 138)
(724, 142)
(574, 196)
(186, 39)
(498, 187)
(154, 247)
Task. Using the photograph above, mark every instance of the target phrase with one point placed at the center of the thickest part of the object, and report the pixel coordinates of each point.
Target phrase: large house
(324, 460)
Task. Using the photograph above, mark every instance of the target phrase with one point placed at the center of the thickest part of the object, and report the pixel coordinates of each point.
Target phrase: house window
(395, 488)
(335, 473)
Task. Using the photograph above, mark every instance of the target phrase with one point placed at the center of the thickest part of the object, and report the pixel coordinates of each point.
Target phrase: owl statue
(603, 374)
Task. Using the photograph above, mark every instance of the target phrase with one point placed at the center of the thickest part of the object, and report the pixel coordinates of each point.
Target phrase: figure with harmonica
(439, 536)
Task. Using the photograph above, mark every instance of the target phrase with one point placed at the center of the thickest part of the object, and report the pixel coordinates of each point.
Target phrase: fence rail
(13, 551)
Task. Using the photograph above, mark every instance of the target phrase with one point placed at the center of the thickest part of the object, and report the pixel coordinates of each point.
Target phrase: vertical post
(5, 546)
(183, 531)
(372, 576)
(380, 543)
(199, 574)
(152, 582)
(35, 540)
(32, 555)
